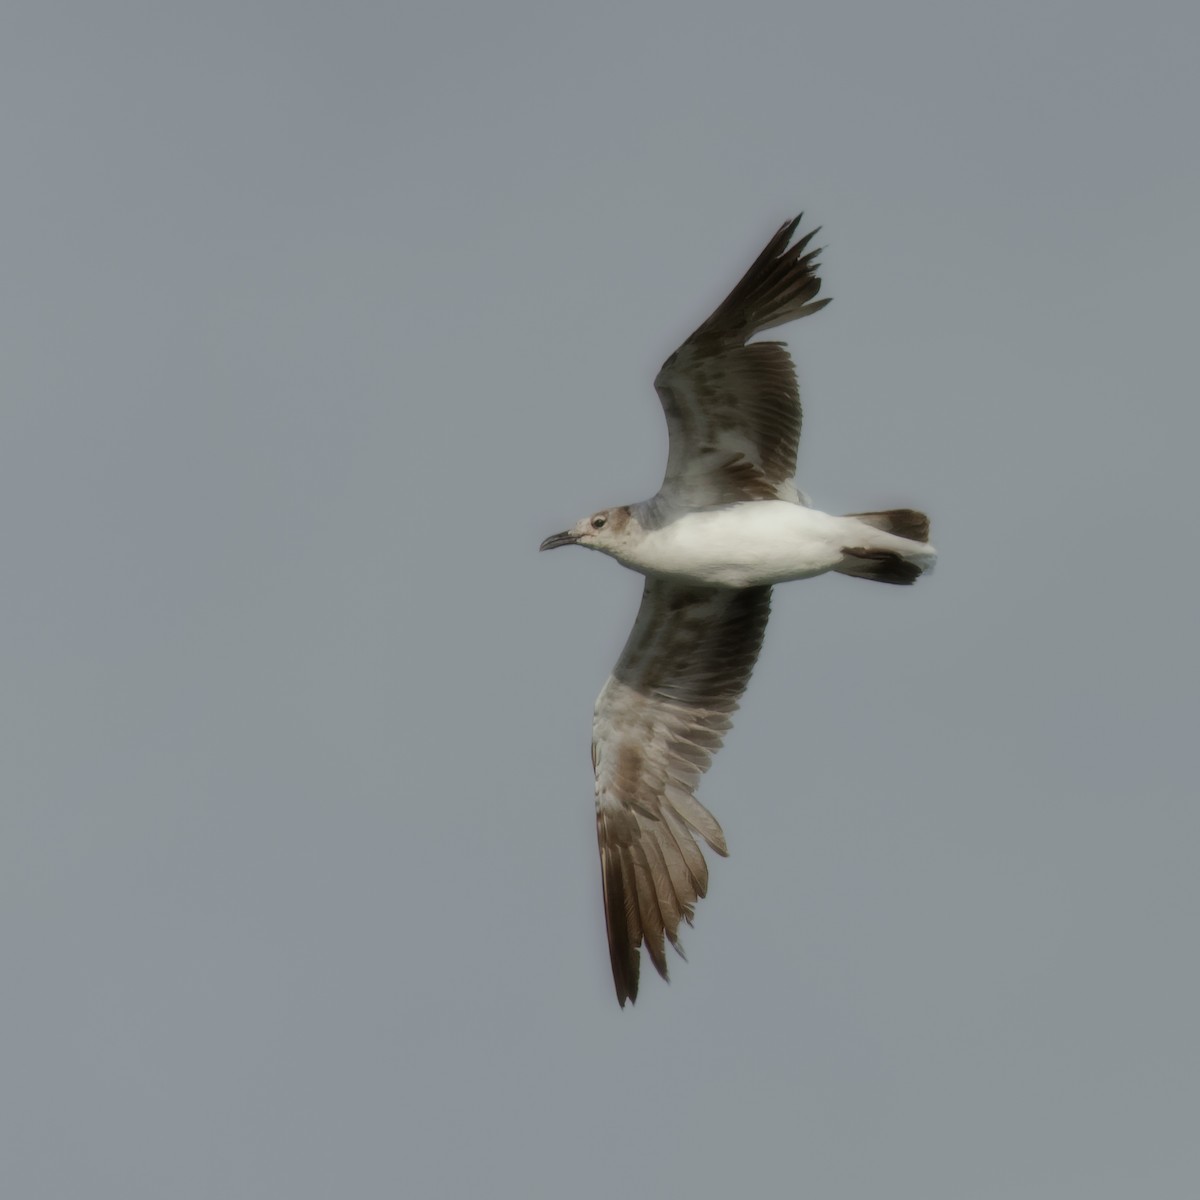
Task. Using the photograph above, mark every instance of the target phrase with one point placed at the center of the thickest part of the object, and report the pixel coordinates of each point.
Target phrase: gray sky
(316, 320)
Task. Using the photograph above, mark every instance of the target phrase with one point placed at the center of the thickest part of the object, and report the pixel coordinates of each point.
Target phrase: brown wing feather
(659, 719)
(733, 410)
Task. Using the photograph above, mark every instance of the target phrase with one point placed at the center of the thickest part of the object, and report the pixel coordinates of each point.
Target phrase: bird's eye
(599, 522)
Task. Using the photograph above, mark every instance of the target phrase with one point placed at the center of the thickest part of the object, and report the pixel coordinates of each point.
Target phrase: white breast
(743, 545)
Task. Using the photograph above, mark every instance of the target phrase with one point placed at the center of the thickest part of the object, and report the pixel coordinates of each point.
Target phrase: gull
(726, 525)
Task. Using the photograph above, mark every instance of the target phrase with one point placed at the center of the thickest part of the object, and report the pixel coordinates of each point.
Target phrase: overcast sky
(316, 320)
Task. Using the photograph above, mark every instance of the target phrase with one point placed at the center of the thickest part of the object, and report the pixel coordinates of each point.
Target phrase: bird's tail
(894, 547)
(903, 522)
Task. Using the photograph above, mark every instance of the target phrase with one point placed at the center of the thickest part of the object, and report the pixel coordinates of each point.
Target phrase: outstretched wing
(659, 719)
(733, 410)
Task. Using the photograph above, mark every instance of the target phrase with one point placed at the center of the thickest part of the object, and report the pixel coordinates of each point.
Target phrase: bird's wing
(659, 719)
(733, 410)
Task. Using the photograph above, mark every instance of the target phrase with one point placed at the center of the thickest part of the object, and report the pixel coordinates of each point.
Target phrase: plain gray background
(316, 319)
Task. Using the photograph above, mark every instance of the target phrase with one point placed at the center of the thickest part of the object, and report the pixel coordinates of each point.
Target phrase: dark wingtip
(624, 951)
(779, 287)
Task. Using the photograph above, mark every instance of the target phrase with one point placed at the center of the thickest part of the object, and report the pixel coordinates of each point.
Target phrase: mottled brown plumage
(659, 720)
(733, 414)
(733, 410)
(726, 524)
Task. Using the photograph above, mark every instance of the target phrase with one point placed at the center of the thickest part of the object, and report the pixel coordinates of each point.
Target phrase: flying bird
(726, 525)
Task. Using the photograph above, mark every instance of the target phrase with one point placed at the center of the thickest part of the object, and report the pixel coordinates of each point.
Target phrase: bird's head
(604, 530)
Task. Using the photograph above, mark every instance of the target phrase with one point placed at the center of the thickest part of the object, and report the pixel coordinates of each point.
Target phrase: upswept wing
(733, 410)
(659, 719)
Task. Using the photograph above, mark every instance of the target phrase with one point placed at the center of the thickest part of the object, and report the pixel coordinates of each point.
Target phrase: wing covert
(733, 409)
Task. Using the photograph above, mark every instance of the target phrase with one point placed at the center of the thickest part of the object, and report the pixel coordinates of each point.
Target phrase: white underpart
(758, 542)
